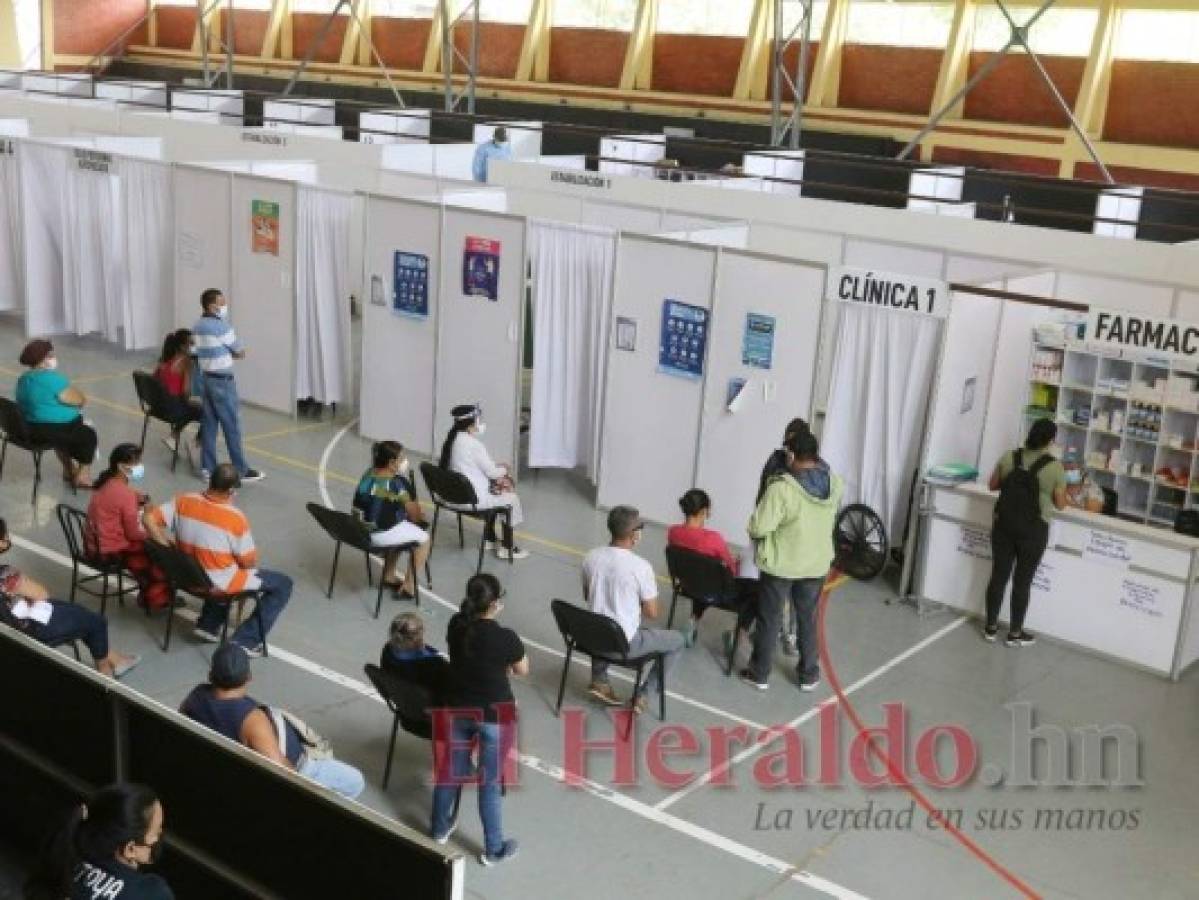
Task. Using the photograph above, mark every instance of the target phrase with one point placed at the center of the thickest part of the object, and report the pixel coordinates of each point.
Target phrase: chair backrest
(12, 422)
(151, 395)
(182, 571)
(81, 537)
(698, 576)
(591, 632)
(406, 699)
(341, 526)
(447, 486)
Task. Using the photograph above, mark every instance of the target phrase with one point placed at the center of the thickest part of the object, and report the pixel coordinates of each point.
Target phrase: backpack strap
(1041, 463)
(1018, 458)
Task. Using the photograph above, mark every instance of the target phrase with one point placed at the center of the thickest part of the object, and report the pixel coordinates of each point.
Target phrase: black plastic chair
(409, 704)
(16, 432)
(706, 579)
(345, 529)
(154, 400)
(453, 492)
(184, 574)
(601, 637)
(80, 540)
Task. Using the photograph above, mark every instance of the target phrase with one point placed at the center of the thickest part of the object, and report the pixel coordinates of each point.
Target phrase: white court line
(804, 717)
(549, 770)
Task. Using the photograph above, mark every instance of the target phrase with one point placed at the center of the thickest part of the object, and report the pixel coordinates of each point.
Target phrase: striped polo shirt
(215, 344)
(217, 535)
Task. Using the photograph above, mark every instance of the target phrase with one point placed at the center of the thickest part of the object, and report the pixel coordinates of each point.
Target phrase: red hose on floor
(900, 777)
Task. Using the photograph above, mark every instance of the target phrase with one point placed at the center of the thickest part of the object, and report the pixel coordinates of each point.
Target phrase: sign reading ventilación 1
(888, 290)
(1141, 333)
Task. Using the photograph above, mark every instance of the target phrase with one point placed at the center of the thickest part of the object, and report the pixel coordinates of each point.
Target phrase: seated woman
(51, 407)
(694, 535)
(174, 373)
(464, 453)
(408, 657)
(115, 526)
(386, 500)
(26, 606)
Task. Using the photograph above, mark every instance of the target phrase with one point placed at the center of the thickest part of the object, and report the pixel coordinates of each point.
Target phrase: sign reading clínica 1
(888, 290)
(1143, 334)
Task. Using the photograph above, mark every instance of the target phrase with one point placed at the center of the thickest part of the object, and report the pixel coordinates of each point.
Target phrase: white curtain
(43, 186)
(148, 198)
(572, 297)
(322, 294)
(95, 275)
(878, 397)
(12, 293)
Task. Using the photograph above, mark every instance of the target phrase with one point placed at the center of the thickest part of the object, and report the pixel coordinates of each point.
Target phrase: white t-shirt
(471, 458)
(615, 581)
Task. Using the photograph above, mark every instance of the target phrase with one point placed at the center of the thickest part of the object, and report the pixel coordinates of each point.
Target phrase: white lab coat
(469, 457)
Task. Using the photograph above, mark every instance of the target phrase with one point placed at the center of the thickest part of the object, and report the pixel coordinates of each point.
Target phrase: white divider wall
(43, 180)
(12, 283)
(478, 340)
(651, 420)
(399, 353)
(262, 298)
(203, 229)
(731, 444)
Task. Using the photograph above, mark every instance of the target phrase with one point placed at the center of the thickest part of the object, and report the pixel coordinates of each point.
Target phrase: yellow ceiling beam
(955, 62)
(48, 35)
(206, 18)
(353, 33)
(152, 23)
(279, 18)
(826, 71)
(534, 62)
(432, 61)
(638, 70)
(1090, 109)
(753, 72)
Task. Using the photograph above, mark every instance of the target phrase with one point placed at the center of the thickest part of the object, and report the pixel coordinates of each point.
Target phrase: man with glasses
(621, 585)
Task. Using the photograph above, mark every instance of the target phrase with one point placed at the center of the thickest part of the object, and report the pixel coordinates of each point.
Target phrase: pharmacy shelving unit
(1129, 418)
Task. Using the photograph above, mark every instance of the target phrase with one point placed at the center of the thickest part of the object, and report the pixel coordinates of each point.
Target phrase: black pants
(745, 598)
(772, 602)
(182, 412)
(75, 439)
(1023, 552)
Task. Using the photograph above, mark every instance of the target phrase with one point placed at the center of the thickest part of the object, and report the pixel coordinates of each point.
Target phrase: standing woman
(51, 407)
(115, 526)
(174, 373)
(102, 848)
(483, 654)
(386, 500)
(463, 452)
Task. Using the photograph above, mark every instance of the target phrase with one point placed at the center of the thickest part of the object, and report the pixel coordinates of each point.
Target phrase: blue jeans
(276, 591)
(220, 408)
(333, 774)
(493, 742)
(70, 622)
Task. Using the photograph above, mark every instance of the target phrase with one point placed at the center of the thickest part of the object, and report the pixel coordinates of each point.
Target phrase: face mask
(481, 428)
(405, 468)
(137, 473)
(222, 312)
(1074, 476)
(52, 362)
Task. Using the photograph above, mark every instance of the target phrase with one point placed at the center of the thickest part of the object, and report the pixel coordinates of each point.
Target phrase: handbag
(315, 745)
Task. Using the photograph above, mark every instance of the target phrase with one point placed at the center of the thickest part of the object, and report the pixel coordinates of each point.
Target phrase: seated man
(224, 706)
(210, 528)
(621, 585)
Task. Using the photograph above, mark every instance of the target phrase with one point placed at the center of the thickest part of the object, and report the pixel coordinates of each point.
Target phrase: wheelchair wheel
(860, 542)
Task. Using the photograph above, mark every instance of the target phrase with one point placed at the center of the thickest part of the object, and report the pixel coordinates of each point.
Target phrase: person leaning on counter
(1081, 491)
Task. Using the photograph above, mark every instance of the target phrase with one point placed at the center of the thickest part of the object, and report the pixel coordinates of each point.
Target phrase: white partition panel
(203, 224)
(43, 180)
(733, 442)
(262, 303)
(14, 127)
(622, 218)
(1117, 293)
(12, 282)
(894, 258)
(651, 419)
(134, 93)
(478, 340)
(394, 126)
(399, 352)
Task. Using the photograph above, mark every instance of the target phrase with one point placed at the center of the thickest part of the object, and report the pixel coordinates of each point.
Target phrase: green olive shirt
(1050, 477)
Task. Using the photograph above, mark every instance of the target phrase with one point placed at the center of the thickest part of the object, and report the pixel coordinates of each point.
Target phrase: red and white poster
(481, 268)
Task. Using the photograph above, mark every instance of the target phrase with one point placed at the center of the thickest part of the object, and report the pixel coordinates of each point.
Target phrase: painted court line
(549, 770)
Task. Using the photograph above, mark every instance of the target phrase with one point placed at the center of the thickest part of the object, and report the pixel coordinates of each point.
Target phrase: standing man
(1031, 484)
(209, 528)
(621, 585)
(496, 148)
(216, 346)
(792, 528)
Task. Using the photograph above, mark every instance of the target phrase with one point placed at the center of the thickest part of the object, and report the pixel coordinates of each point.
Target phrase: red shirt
(171, 378)
(113, 516)
(702, 540)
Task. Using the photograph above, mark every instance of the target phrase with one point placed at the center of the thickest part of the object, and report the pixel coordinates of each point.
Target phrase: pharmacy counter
(1116, 588)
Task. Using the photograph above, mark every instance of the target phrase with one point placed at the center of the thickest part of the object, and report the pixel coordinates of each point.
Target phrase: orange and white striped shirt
(218, 535)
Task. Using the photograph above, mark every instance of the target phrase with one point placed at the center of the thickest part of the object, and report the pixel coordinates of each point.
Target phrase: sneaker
(602, 691)
(491, 546)
(990, 632)
(207, 636)
(507, 850)
(444, 838)
(126, 667)
(1020, 639)
(251, 475)
(790, 645)
(204, 475)
(254, 652)
(809, 684)
(515, 553)
(749, 678)
(170, 443)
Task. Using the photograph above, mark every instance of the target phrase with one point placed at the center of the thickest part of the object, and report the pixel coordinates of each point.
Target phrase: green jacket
(793, 528)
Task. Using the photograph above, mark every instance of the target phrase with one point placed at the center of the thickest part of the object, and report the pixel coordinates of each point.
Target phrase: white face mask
(137, 472)
(481, 429)
(222, 312)
(51, 362)
(405, 468)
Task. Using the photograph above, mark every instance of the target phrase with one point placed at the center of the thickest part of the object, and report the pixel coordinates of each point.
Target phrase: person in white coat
(464, 452)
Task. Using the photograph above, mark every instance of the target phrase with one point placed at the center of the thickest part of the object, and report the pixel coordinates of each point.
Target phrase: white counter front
(1117, 588)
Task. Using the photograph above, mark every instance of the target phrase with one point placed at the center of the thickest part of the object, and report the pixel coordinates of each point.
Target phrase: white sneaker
(170, 444)
(515, 553)
(207, 636)
(491, 546)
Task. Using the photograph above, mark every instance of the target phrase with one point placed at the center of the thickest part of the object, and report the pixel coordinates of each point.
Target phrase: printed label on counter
(1107, 549)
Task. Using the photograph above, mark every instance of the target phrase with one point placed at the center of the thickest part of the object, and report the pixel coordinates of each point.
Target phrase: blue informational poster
(410, 285)
(757, 347)
(481, 268)
(684, 339)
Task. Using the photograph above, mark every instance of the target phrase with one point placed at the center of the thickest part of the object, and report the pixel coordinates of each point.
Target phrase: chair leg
(674, 601)
(3, 454)
(633, 701)
(145, 427)
(509, 535)
(570, 649)
(379, 598)
(482, 545)
(391, 749)
(175, 454)
(461, 536)
(370, 578)
(415, 576)
(170, 613)
(333, 571)
(728, 669)
(37, 476)
(261, 627)
(75, 583)
(662, 687)
(104, 593)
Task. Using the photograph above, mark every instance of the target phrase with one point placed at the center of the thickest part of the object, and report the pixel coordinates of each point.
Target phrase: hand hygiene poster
(757, 346)
(410, 285)
(684, 339)
(264, 227)
(481, 268)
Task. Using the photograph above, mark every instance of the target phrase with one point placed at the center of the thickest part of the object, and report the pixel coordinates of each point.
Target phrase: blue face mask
(137, 473)
(1074, 476)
